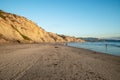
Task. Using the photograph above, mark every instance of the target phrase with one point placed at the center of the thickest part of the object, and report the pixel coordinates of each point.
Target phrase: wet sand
(56, 62)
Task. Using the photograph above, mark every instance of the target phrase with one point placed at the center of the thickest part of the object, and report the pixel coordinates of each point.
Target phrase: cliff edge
(14, 28)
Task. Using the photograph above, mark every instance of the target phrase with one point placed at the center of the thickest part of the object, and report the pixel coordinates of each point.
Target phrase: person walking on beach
(65, 44)
(106, 46)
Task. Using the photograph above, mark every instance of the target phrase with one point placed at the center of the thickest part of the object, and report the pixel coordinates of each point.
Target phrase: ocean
(112, 48)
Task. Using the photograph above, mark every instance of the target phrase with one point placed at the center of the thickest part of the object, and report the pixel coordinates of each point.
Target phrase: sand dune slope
(56, 62)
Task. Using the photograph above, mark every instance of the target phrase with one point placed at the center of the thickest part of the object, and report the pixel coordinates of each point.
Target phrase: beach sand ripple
(56, 62)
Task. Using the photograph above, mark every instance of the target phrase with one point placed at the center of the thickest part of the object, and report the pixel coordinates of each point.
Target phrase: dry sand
(56, 62)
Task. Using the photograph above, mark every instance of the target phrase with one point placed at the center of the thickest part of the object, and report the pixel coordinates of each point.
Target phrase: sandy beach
(56, 62)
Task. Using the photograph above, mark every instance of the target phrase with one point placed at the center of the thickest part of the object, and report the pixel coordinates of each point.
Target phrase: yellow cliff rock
(14, 28)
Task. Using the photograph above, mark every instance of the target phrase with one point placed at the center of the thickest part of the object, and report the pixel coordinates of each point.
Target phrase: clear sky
(80, 18)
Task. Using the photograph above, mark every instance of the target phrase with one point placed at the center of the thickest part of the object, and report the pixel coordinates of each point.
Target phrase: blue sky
(80, 18)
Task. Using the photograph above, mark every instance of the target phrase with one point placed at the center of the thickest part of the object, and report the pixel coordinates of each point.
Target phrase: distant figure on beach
(65, 44)
(106, 46)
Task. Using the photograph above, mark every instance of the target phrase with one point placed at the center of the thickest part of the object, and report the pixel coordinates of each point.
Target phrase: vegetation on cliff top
(10, 28)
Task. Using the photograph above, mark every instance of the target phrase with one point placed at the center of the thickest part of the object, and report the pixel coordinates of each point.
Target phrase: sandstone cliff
(14, 28)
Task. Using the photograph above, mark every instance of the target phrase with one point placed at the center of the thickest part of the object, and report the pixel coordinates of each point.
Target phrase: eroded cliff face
(14, 28)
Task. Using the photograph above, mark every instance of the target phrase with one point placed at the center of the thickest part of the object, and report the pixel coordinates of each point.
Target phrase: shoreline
(101, 47)
(96, 51)
(55, 61)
